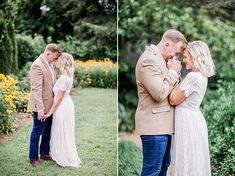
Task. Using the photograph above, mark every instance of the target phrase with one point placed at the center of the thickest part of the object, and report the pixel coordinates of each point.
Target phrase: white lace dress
(62, 144)
(190, 150)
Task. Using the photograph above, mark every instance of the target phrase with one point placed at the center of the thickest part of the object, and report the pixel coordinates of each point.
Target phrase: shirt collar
(155, 48)
(45, 59)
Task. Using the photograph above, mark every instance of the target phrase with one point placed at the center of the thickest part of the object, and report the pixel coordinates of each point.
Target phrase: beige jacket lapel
(47, 68)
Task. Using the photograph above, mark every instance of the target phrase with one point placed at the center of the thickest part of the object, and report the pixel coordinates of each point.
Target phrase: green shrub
(12, 100)
(126, 120)
(8, 91)
(6, 116)
(29, 48)
(92, 73)
(7, 47)
(129, 159)
(219, 111)
(127, 96)
(23, 77)
(75, 47)
(12, 35)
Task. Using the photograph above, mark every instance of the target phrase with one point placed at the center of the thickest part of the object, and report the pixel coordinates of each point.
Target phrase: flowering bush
(11, 101)
(93, 73)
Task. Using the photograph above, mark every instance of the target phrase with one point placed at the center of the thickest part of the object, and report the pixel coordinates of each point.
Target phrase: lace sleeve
(188, 85)
(63, 84)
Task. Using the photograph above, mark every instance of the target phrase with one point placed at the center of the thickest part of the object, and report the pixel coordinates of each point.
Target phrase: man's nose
(176, 57)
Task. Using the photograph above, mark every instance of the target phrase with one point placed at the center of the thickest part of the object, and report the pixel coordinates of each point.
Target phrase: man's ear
(167, 44)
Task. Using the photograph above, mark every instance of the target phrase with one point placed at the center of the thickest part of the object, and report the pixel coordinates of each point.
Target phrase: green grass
(96, 135)
(129, 159)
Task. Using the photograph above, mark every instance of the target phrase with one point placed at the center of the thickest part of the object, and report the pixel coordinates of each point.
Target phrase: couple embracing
(167, 107)
(53, 109)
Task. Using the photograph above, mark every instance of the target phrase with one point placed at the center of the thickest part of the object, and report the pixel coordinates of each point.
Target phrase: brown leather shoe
(35, 163)
(46, 157)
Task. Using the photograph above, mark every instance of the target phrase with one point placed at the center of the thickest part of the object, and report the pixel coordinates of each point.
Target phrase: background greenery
(86, 29)
(143, 22)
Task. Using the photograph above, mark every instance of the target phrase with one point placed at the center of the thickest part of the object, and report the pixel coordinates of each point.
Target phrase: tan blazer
(41, 80)
(154, 114)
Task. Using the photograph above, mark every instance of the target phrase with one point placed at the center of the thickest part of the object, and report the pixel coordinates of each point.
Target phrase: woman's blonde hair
(66, 63)
(201, 57)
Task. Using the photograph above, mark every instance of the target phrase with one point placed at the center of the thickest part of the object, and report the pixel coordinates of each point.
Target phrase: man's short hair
(174, 36)
(53, 48)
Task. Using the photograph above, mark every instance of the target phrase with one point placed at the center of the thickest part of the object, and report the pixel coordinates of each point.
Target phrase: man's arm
(177, 96)
(36, 80)
(158, 87)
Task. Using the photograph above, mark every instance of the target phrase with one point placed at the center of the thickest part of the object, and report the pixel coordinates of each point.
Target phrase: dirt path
(133, 137)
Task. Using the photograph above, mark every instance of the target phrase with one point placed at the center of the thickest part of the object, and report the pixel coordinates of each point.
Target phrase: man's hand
(175, 65)
(40, 114)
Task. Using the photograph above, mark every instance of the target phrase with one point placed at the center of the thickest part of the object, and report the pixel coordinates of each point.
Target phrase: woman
(62, 144)
(191, 150)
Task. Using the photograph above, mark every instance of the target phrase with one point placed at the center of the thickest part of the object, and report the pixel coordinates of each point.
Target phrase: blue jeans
(156, 154)
(42, 129)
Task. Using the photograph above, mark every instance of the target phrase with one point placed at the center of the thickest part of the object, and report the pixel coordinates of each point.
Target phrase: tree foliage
(8, 44)
(144, 22)
(91, 24)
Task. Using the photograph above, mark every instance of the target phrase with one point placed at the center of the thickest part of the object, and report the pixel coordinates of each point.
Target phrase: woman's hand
(47, 115)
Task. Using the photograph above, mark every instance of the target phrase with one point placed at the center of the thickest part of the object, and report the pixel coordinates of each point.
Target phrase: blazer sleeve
(158, 86)
(36, 80)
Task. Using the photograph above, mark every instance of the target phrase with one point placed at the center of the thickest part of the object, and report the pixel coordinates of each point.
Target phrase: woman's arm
(56, 103)
(176, 96)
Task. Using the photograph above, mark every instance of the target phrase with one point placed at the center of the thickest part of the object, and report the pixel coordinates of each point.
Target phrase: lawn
(96, 139)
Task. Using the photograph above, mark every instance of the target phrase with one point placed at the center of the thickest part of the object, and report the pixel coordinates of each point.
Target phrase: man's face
(173, 49)
(52, 56)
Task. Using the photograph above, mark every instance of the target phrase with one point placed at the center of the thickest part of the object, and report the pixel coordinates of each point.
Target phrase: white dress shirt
(50, 67)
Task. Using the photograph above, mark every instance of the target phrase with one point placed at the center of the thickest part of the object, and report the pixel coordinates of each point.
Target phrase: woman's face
(58, 63)
(188, 60)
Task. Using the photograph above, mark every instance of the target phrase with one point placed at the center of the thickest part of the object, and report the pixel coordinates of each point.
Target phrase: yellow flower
(2, 76)
(9, 111)
(89, 80)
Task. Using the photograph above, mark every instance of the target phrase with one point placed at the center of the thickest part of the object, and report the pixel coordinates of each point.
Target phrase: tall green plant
(12, 36)
(8, 44)
(6, 47)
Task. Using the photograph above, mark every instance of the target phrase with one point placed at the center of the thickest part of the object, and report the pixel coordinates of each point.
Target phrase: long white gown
(190, 150)
(62, 144)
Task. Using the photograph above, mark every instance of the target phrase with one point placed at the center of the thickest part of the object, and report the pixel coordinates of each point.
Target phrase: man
(42, 78)
(157, 71)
